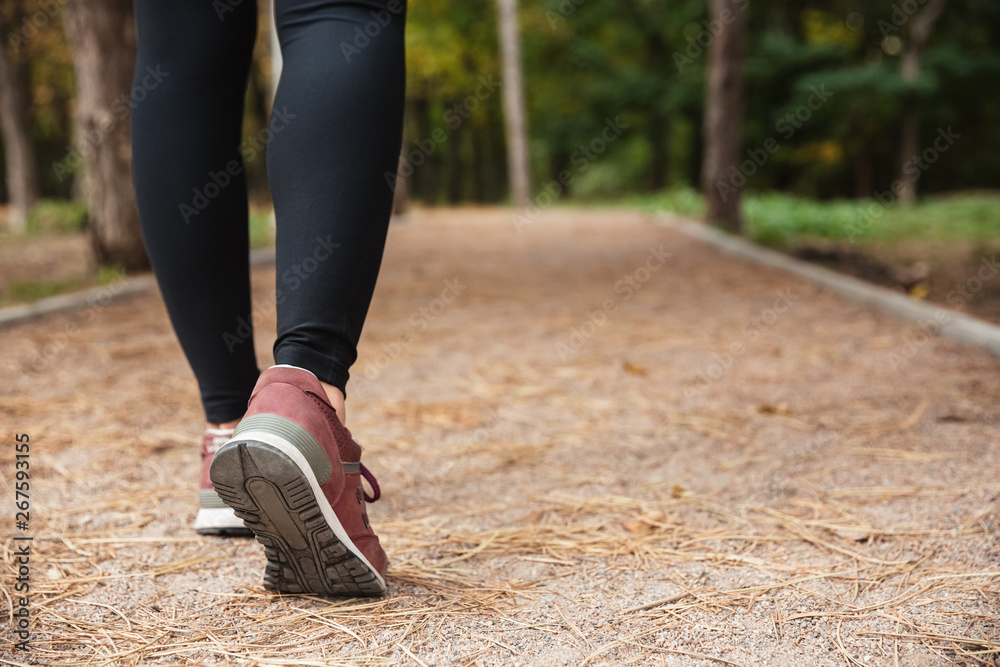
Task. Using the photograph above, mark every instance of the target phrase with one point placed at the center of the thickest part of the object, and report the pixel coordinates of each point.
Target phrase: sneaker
(293, 473)
(214, 516)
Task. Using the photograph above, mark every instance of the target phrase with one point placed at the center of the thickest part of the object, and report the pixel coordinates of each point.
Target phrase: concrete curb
(945, 322)
(104, 294)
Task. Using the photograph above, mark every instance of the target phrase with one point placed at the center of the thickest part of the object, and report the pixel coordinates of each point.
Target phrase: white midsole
(293, 453)
(217, 517)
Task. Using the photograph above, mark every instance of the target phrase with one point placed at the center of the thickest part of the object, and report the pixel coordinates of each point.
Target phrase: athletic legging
(334, 134)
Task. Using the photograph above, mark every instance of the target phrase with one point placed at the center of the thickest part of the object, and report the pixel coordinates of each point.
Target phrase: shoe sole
(221, 521)
(272, 488)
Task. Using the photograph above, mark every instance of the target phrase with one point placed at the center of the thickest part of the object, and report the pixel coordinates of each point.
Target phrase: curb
(947, 323)
(942, 321)
(103, 294)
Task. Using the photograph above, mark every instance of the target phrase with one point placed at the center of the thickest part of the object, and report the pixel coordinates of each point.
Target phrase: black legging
(334, 134)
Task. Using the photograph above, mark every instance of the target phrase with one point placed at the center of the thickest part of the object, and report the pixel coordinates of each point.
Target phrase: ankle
(336, 398)
(224, 426)
(334, 395)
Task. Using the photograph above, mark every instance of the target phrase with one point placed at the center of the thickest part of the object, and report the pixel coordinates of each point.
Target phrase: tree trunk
(479, 162)
(696, 149)
(400, 193)
(454, 166)
(909, 139)
(658, 125)
(658, 55)
(498, 159)
(19, 154)
(274, 51)
(723, 122)
(515, 116)
(102, 36)
(425, 175)
(863, 181)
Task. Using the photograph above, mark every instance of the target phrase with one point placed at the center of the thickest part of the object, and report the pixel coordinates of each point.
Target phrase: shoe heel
(287, 430)
(267, 479)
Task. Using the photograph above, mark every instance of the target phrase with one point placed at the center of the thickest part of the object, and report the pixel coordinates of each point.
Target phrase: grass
(31, 290)
(57, 216)
(261, 234)
(782, 220)
(61, 216)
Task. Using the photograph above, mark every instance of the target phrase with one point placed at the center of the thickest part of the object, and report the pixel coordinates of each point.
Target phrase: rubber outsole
(276, 499)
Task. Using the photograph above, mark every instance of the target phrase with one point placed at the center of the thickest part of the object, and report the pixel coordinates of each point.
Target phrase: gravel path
(600, 442)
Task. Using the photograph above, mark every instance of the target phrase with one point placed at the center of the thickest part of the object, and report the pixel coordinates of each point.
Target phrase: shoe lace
(366, 473)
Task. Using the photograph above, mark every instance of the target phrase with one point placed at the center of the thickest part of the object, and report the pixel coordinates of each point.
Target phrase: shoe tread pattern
(273, 497)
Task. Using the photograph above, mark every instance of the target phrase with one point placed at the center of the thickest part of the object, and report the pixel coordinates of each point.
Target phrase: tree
(723, 120)
(102, 36)
(19, 153)
(515, 115)
(920, 30)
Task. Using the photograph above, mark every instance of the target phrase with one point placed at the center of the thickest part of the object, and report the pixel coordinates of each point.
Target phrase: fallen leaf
(853, 534)
(919, 291)
(635, 525)
(629, 367)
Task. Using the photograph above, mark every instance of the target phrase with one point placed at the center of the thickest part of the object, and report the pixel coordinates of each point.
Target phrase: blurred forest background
(829, 100)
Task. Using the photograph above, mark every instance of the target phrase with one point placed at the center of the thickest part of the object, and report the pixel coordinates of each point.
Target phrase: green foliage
(682, 201)
(57, 216)
(783, 221)
(33, 290)
(36, 46)
(779, 220)
(643, 61)
(261, 229)
(849, 146)
(108, 274)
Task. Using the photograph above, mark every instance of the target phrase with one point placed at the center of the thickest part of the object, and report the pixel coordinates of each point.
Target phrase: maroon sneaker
(293, 473)
(214, 516)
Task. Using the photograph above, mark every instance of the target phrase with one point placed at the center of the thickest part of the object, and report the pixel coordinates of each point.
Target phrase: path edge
(945, 322)
(102, 294)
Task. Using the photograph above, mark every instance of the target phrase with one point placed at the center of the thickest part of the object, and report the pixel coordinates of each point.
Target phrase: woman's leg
(191, 190)
(335, 136)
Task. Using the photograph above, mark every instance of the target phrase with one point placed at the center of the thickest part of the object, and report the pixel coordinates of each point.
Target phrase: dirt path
(576, 469)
